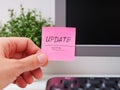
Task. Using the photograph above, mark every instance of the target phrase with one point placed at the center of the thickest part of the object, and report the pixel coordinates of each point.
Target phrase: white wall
(46, 7)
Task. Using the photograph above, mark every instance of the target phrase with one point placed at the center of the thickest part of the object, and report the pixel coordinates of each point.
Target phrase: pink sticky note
(59, 43)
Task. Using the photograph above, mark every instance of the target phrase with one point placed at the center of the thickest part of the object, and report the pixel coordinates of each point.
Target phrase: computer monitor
(97, 24)
(97, 41)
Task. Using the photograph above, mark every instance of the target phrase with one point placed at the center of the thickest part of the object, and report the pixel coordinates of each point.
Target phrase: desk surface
(38, 85)
(41, 84)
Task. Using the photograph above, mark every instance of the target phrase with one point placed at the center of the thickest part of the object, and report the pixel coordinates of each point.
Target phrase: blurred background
(46, 7)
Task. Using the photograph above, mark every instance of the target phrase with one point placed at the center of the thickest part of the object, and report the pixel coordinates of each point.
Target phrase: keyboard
(83, 83)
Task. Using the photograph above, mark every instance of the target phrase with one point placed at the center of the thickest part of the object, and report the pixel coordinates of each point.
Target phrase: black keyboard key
(82, 82)
(66, 84)
(96, 82)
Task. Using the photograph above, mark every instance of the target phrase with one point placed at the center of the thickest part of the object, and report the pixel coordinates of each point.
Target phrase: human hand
(19, 61)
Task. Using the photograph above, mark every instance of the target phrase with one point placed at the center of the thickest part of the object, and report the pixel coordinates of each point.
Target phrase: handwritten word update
(57, 39)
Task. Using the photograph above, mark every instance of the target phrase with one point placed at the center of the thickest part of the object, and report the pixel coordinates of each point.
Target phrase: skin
(20, 61)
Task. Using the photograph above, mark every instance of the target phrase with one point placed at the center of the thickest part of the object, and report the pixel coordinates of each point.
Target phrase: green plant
(26, 24)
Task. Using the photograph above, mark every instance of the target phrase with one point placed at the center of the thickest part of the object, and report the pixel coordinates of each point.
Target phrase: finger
(18, 55)
(25, 45)
(27, 76)
(21, 82)
(37, 73)
(31, 62)
(10, 46)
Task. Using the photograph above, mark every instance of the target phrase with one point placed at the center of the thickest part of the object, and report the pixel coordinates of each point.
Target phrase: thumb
(32, 62)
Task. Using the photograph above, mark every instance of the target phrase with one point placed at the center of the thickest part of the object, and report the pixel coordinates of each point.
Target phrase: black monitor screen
(97, 21)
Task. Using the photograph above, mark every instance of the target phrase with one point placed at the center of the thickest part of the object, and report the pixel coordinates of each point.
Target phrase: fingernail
(42, 58)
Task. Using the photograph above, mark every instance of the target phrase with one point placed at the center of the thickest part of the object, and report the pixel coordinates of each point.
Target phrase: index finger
(25, 45)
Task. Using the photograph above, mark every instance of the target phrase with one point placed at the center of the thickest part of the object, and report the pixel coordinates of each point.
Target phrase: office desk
(81, 66)
(41, 84)
(37, 85)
